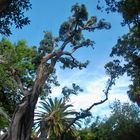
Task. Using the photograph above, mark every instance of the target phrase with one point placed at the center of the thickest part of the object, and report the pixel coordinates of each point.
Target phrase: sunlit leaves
(17, 61)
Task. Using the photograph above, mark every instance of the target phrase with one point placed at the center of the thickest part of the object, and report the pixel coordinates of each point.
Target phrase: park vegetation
(27, 74)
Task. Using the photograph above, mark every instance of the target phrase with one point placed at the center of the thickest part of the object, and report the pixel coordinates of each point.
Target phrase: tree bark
(22, 121)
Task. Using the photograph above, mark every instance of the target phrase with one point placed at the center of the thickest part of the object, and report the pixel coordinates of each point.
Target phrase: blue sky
(48, 15)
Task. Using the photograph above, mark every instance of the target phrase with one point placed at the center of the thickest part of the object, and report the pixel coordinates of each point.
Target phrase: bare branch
(70, 54)
(85, 112)
(57, 54)
(65, 43)
(106, 94)
(75, 48)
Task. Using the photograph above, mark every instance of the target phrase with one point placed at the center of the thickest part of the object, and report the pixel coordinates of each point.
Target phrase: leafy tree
(128, 45)
(30, 71)
(12, 13)
(123, 123)
(16, 65)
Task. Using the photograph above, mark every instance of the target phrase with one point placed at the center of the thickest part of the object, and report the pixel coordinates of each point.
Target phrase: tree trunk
(22, 121)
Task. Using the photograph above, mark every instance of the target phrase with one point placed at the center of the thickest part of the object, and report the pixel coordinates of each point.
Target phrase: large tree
(29, 70)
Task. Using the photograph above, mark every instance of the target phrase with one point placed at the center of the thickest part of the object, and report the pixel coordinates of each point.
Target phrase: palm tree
(52, 118)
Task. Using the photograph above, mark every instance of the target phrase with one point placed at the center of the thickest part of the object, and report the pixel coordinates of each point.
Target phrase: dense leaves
(17, 63)
(124, 123)
(130, 43)
(12, 13)
(128, 8)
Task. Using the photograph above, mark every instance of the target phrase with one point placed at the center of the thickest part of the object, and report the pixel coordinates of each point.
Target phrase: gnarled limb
(85, 113)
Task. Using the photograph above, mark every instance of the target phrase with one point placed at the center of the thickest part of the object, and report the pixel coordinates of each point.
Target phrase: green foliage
(114, 69)
(29, 72)
(47, 44)
(12, 13)
(53, 116)
(17, 63)
(71, 32)
(123, 123)
(79, 12)
(69, 63)
(130, 9)
(71, 27)
(18, 60)
(74, 90)
(128, 46)
(86, 134)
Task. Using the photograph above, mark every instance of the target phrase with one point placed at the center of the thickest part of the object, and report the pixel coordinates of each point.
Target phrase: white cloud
(93, 85)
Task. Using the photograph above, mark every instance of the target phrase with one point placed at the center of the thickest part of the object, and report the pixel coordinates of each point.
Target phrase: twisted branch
(85, 112)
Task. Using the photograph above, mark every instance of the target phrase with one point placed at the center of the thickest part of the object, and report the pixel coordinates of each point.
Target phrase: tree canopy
(12, 13)
(28, 72)
(123, 122)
